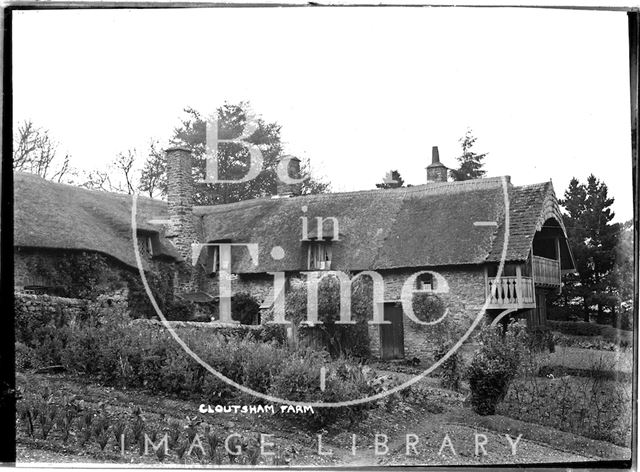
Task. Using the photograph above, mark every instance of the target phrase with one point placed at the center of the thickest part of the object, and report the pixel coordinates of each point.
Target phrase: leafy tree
(34, 151)
(393, 179)
(593, 239)
(470, 162)
(233, 158)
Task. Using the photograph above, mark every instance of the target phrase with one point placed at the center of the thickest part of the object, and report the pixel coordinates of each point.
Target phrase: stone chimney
(436, 171)
(181, 229)
(293, 170)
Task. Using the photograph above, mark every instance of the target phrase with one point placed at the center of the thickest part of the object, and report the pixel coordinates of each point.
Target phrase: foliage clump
(110, 347)
(338, 339)
(494, 366)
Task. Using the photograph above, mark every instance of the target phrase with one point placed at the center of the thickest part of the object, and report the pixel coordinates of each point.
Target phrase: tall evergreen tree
(470, 161)
(593, 239)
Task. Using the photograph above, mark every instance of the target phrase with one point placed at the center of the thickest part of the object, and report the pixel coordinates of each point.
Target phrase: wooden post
(559, 264)
(519, 284)
(486, 283)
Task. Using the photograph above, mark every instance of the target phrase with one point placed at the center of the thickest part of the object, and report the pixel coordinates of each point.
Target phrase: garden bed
(430, 417)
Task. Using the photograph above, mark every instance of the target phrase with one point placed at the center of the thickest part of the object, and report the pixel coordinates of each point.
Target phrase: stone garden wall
(68, 309)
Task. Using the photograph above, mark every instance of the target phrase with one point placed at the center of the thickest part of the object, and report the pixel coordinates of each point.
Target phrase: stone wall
(45, 268)
(58, 308)
(465, 298)
(258, 285)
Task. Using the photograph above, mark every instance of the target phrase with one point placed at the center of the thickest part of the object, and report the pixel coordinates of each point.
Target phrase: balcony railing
(511, 292)
(546, 271)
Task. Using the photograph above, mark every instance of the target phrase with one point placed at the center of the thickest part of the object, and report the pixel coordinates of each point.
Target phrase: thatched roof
(424, 226)
(58, 216)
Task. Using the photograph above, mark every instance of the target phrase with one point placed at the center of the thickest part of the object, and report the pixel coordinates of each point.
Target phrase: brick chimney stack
(290, 190)
(180, 199)
(436, 171)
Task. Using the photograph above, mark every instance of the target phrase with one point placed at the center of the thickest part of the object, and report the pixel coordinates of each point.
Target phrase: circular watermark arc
(356, 401)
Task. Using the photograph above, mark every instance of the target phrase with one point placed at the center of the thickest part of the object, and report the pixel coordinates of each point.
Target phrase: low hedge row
(111, 348)
(581, 328)
(576, 328)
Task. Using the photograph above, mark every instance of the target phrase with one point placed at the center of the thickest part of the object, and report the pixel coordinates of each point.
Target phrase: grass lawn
(577, 358)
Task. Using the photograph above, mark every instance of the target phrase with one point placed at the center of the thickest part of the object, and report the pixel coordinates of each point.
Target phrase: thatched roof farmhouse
(456, 229)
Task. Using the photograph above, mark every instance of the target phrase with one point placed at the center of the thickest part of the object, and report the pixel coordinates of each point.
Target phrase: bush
(299, 380)
(565, 312)
(25, 357)
(451, 369)
(111, 347)
(271, 333)
(540, 339)
(44, 332)
(178, 310)
(494, 366)
(245, 308)
(576, 328)
(338, 340)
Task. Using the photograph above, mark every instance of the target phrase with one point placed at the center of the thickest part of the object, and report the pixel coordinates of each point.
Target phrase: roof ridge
(431, 188)
(123, 196)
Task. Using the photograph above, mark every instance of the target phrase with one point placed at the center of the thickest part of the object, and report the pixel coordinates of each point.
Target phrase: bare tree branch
(34, 151)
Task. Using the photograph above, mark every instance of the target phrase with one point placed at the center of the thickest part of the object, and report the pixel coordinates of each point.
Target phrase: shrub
(339, 340)
(141, 353)
(261, 364)
(42, 331)
(540, 339)
(25, 357)
(299, 380)
(565, 312)
(244, 308)
(576, 328)
(451, 369)
(178, 310)
(271, 333)
(494, 366)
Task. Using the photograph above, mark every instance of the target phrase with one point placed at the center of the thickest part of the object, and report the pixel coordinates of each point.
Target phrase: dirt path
(439, 442)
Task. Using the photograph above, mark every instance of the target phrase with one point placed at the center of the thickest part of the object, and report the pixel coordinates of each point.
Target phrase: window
(319, 256)
(215, 259)
(425, 282)
(145, 246)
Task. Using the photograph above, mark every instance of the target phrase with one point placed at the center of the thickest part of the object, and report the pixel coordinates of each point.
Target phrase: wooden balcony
(511, 292)
(546, 271)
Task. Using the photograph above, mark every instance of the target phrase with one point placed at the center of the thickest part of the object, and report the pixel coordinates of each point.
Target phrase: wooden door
(392, 335)
(540, 318)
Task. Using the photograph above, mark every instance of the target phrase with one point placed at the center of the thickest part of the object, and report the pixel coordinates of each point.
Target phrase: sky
(358, 91)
